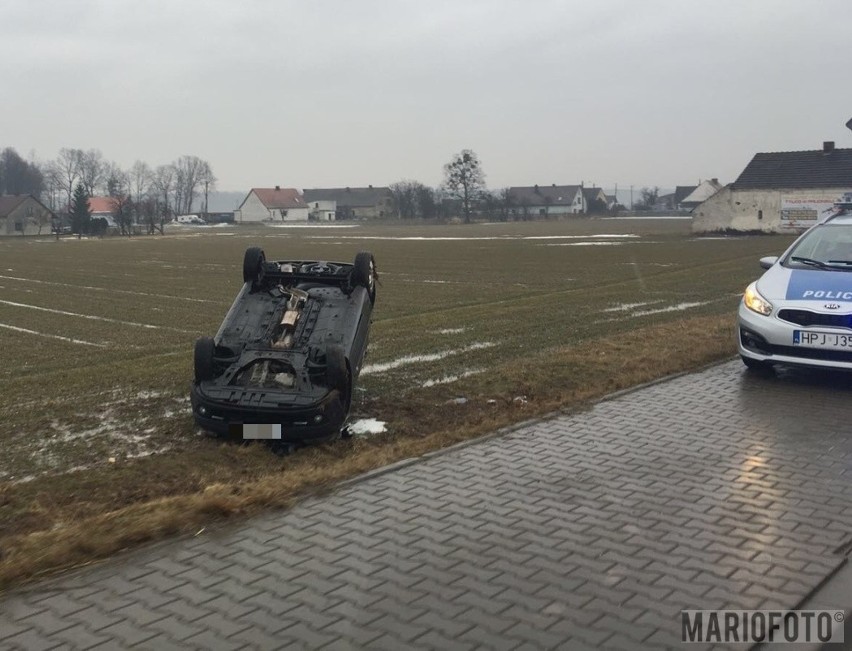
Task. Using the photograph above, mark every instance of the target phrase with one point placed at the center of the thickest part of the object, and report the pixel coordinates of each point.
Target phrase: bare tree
(208, 179)
(162, 186)
(649, 198)
(191, 173)
(66, 171)
(122, 205)
(464, 180)
(404, 196)
(93, 170)
(507, 203)
(140, 177)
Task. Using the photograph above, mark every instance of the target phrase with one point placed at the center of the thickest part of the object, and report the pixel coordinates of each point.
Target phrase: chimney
(827, 146)
(277, 187)
(715, 180)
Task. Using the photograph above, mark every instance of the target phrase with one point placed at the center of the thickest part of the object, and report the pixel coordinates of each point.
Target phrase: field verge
(547, 380)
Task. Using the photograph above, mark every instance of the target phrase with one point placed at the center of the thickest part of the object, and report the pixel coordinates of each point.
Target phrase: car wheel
(756, 365)
(204, 348)
(364, 273)
(253, 262)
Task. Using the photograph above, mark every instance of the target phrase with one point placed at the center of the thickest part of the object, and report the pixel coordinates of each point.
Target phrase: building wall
(751, 210)
(323, 211)
(254, 210)
(26, 218)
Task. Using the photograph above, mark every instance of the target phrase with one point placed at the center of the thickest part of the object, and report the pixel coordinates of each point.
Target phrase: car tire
(204, 367)
(364, 273)
(253, 263)
(756, 365)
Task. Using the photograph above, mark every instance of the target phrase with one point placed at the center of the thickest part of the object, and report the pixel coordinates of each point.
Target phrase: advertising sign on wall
(799, 212)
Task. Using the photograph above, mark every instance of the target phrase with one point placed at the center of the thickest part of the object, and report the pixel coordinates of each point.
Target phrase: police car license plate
(830, 340)
(262, 431)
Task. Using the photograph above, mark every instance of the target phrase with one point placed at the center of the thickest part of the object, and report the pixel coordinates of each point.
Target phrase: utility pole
(205, 200)
(631, 197)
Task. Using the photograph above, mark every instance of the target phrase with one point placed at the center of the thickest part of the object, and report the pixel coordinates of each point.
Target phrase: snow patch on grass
(671, 308)
(428, 357)
(91, 317)
(45, 334)
(449, 379)
(366, 426)
(624, 307)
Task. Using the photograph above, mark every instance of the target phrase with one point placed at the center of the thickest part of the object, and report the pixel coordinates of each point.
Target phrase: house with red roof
(104, 208)
(272, 205)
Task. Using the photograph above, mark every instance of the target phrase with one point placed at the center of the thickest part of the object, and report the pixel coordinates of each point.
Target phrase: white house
(322, 211)
(272, 204)
(780, 192)
(23, 214)
(702, 192)
(546, 200)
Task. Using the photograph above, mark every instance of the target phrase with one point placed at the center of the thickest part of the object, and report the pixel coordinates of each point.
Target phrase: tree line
(139, 195)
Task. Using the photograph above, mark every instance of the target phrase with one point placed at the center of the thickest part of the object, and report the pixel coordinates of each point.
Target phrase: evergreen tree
(80, 216)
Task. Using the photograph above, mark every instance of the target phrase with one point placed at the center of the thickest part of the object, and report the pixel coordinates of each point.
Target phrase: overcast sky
(355, 92)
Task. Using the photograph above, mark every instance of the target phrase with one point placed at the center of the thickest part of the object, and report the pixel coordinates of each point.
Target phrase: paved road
(591, 530)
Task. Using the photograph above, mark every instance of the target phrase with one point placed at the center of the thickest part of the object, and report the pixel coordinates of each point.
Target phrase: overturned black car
(285, 360)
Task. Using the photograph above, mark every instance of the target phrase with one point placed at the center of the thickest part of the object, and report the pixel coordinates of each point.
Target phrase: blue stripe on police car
(812, 285)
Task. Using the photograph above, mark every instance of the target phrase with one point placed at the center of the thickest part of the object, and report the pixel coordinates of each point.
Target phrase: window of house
(541, 211)
(19, 226)
(283, 213)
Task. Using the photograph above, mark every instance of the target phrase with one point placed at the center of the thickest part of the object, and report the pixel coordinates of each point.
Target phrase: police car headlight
(755, 302)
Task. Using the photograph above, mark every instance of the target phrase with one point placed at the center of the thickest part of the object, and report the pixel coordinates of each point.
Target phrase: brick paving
(592, 530)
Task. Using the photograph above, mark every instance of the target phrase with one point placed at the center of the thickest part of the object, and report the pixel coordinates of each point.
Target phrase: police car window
(824, 244)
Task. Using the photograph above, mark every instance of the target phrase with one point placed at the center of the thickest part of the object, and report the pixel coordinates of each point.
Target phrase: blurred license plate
(831, 340)
(262, 431)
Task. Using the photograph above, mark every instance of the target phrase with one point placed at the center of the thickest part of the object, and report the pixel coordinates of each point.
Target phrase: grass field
(475, 327)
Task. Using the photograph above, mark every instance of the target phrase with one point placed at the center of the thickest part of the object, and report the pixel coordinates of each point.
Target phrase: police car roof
(839, 219)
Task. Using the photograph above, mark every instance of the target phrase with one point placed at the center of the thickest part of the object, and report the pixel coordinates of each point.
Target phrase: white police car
(800, 311)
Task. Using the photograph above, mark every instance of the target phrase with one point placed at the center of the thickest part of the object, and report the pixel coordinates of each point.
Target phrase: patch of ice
(631, 218)
(429, 357)
(449, 379)
(671, 308)
(312, 225)
(451, 331)
(650, 264)
(472, 238)
(45, 334)
(578, 237)
(364, 426)
(585, 244)
(147, 395)
(624, 307)
(92, 317)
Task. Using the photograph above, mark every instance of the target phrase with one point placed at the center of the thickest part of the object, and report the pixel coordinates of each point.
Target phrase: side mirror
(768, 261)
